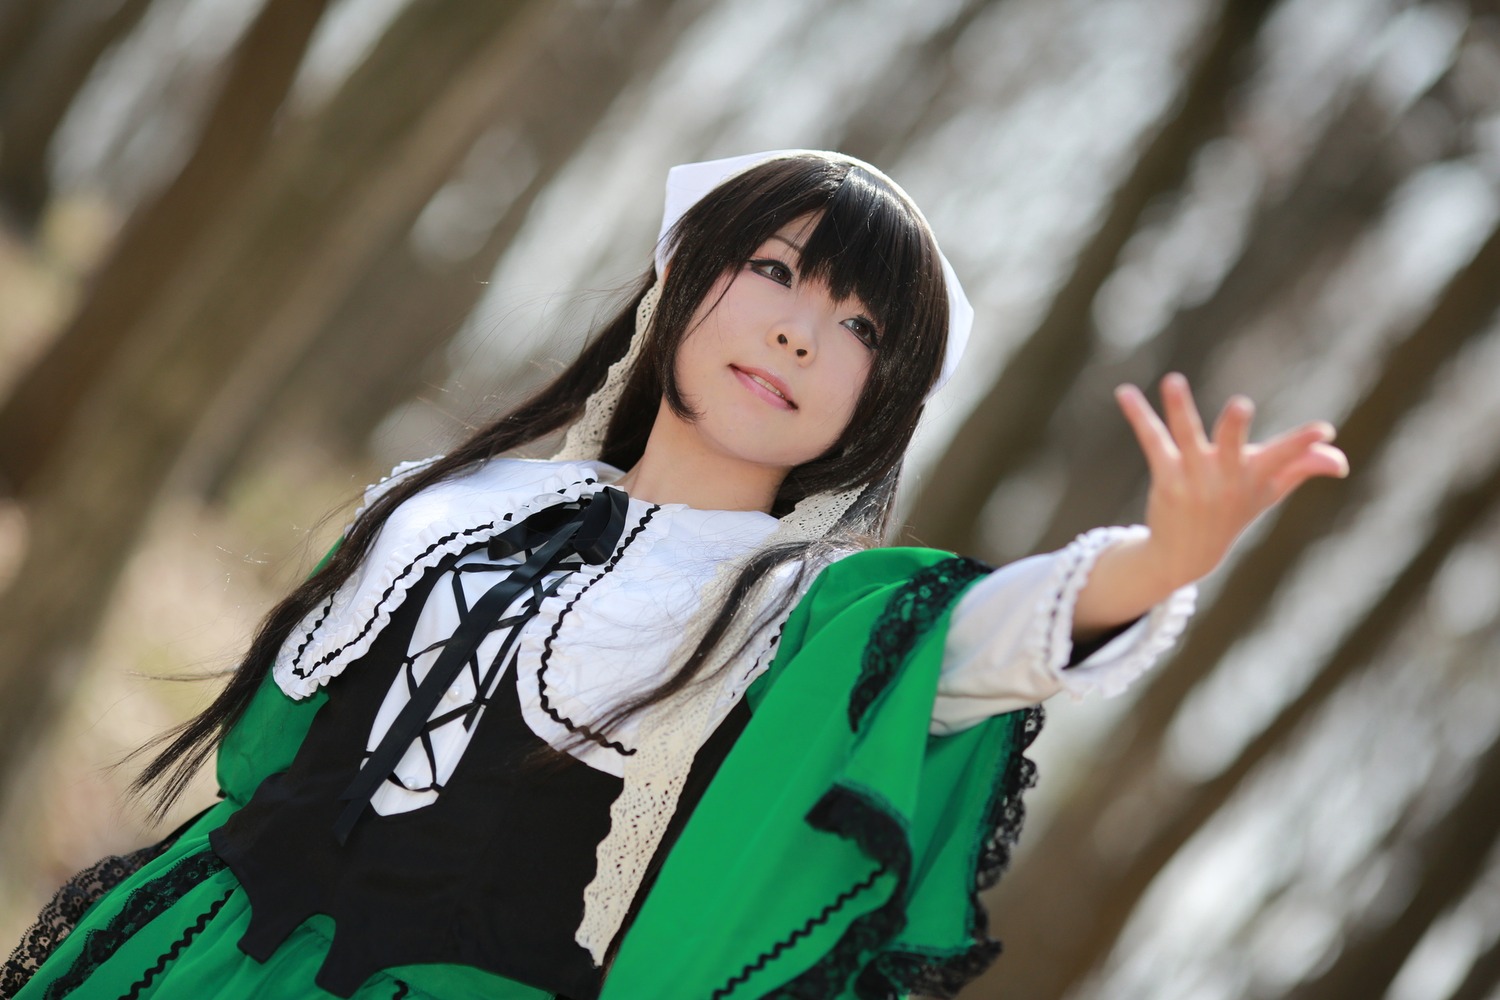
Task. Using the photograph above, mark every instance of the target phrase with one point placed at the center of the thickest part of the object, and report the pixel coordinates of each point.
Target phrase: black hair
(868, 242)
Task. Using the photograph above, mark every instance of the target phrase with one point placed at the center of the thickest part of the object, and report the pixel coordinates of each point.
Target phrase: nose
(796, 331)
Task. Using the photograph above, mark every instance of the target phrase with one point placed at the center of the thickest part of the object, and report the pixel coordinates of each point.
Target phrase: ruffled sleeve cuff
(1114, 666)
(1010, 639)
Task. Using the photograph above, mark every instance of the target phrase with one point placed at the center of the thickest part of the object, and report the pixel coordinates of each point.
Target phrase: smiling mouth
(765, 384)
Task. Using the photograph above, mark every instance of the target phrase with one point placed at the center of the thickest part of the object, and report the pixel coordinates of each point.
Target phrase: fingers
(1152, 435)
(1232, 430)
(1317, 460)
(1182, 416)
(1289, 445)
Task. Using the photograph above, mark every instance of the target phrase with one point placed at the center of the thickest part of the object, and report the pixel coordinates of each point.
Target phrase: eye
(864, 330)
(769, 267)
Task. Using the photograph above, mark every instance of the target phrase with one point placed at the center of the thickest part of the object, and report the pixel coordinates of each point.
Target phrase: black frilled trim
(141, 907)
(855, 814)
(545, 659)
(943, 976)
(907, 616)
(57, 919)
(170, 955)
(892, 975)
(406, 571)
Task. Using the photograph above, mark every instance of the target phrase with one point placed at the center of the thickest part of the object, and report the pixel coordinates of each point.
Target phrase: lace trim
(907, 616)
(857, 815)
(585, 438)
(170, 955)
(898, 973)
(142, 906)
(1053, 625)
(671, 732)
(944, 976)
(668, 739)
(72, 900)
(58, 918)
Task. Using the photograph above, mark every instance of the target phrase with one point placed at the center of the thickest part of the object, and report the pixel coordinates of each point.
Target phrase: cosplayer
(658, 717)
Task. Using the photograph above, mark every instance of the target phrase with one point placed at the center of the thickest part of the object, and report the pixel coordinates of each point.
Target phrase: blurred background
(253, 252)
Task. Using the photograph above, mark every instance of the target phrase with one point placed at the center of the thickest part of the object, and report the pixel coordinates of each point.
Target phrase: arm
(1095, 615)
(1010, 640)
(1203, 494)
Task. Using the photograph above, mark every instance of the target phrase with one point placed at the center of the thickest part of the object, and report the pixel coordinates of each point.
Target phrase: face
(771, 363)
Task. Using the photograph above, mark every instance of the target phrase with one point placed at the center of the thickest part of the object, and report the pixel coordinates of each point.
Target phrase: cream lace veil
(671, 731)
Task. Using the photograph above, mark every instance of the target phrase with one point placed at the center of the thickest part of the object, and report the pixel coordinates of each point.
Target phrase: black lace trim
(57, 919)
(907, 616)
(167, 957)
(855, 814)
(943, 976)
(546, 655)
(141, 907)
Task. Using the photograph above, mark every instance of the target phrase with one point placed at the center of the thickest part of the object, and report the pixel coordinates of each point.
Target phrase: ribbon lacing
(558, 538)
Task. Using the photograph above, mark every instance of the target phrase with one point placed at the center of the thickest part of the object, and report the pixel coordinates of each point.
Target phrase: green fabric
(748, 871)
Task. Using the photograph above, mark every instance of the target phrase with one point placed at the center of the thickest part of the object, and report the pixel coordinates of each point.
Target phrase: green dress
(838, 851)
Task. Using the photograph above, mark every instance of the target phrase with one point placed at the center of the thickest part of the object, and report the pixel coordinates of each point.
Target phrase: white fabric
(1010, 637)
(1008, 641)
(672, 730)
(687, 183)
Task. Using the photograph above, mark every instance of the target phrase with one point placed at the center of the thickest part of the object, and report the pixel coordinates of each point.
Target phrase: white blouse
(609, 631)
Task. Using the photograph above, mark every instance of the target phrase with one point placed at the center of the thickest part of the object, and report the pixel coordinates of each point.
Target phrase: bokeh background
(253, 253)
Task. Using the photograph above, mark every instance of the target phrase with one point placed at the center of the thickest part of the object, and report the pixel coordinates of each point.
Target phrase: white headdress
(671, 731)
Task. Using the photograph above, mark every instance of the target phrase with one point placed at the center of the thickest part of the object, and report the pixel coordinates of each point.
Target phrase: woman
(657, 717)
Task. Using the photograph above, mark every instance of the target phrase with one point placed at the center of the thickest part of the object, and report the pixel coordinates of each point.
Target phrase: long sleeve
(1009, 642)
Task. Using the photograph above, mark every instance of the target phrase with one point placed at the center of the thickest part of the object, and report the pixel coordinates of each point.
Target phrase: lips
(770, 388)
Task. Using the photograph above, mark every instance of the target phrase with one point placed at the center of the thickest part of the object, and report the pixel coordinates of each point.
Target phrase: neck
(677, 468)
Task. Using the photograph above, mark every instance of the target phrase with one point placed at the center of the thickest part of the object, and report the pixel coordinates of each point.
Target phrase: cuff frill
(1118, 663)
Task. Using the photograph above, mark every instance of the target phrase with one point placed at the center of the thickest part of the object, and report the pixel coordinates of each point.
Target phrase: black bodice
(490, 875)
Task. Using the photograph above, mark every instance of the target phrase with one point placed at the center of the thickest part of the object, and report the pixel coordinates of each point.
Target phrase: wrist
(1128, 578)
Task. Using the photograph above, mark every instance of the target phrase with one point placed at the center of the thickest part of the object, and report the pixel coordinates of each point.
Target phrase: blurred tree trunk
(277, 263)
(1292, 241)
(410, 304)
(1483, 976)
(1171, 812)
(1011, 420)
(1447, 861)
(1064, 882)
(43, 81)
(19, 21)
(913, 94)
(158, 241)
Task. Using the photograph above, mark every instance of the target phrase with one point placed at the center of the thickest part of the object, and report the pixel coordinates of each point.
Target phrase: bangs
(869, 245)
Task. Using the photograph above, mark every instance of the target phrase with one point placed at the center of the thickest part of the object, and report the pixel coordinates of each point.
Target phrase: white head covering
(689, 182)
(671, 731)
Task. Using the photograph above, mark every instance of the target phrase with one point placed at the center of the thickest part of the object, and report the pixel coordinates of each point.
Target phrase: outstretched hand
(1206, 491)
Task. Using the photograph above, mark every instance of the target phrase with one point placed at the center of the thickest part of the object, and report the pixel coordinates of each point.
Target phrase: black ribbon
(589, 529)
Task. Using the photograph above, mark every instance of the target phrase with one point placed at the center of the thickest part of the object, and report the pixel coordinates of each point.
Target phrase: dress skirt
(172, 930)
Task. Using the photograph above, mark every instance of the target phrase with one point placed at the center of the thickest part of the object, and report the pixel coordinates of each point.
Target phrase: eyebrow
(795, 246)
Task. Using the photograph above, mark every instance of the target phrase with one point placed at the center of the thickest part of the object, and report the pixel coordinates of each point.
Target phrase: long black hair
(868, 241)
